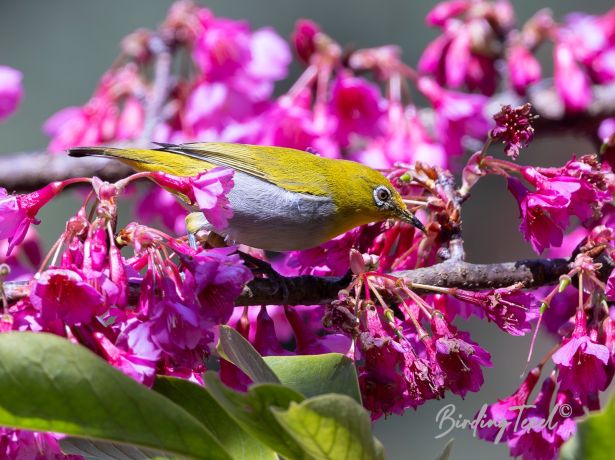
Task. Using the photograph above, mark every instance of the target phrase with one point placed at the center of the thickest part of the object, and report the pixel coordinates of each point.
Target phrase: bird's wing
(290, 169)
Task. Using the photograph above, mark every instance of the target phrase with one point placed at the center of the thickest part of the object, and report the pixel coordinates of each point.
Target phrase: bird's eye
(381, 195)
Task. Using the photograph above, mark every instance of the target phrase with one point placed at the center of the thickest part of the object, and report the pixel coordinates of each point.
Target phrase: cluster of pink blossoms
(153, 308)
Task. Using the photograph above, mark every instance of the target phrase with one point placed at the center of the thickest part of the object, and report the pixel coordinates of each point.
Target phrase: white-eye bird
(282, 199)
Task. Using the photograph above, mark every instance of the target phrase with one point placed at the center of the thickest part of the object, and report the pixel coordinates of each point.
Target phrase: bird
(283, 199)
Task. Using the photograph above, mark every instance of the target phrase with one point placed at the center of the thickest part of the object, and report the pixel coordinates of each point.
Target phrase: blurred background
(63, 47)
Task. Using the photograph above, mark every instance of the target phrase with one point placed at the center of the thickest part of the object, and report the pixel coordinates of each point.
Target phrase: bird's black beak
(408, 217)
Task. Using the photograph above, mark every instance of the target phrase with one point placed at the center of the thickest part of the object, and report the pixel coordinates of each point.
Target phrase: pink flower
(217, 277)
(11, 91)
(584, 182)
(17, 212)
(523, 68)
(582, 362)
(513, 127)
(64, 295)
(571, 82)
(357, 106)
(510, 308)
(543, 215)
(392, 377)
(405, 140)
(289, 122)
(444, 11)
(457, 115)
(210, 190)
(500, 414)
(459, 357)
(100, 119)
(130, 121)
(270, 56)
(212, 106)
(304, 38)
(176, 325)
(222, 48)
(31, 445)
(533, 441)
(134, 353)
(265, 340)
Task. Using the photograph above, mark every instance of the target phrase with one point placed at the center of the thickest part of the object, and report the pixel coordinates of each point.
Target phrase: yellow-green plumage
(348, 184)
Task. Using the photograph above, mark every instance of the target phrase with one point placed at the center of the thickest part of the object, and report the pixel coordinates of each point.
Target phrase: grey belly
(268, 217)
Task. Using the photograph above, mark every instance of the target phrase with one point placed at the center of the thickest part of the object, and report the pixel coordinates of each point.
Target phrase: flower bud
(357, 264)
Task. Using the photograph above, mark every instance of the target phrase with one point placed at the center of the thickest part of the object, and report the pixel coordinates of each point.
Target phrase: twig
(314, 290)
(446, 183)
(154, 112)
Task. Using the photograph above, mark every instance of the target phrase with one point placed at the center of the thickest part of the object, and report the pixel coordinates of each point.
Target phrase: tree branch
(314, 290)
(27, 171)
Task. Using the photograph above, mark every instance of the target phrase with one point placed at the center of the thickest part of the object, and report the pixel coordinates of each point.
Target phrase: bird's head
(365, 195)
(389, 202)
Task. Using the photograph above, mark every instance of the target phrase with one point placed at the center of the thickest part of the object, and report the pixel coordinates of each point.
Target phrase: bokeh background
(64, 46)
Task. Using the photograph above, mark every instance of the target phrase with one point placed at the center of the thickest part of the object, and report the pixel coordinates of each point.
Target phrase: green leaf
(236, 349)
(199, 402)
(50, 384)
(315, 375)
(331, 427)
(102, 450)
(595, 437)
(253, 412)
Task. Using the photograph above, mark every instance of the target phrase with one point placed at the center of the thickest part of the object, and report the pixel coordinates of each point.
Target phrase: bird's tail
(147, 159)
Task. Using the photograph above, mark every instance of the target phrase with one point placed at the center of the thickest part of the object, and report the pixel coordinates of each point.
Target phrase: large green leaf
(331, 427)
(595, 437)
(253, 412)
(103, 450)
(315, 375)
(235, 348)
(50, 384)
(199, 402)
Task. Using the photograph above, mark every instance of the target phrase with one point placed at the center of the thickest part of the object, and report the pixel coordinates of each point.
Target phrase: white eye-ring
(381, 195)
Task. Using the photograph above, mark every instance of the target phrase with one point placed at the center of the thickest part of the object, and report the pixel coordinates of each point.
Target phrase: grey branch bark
(27, 171)
(315, 290)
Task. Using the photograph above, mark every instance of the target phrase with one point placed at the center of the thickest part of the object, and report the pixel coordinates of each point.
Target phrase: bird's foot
(264, 268)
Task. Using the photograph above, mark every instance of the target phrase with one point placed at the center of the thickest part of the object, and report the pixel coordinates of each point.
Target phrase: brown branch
(314, 290)
(24, 172)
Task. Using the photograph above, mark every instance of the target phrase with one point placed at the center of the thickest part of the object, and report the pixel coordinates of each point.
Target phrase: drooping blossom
(582, 361)
(22, 444)
(534, 439)
(64, 295)
(18, 212)
(393, 377)
(135, 353)
(542, 215)
(102, 119)
(510, 308)
(304, 38)
(465, 53)
(460, 358)
(217, 278)
(523, 68)
(571, 82)
(11, 91)
(498, 419)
